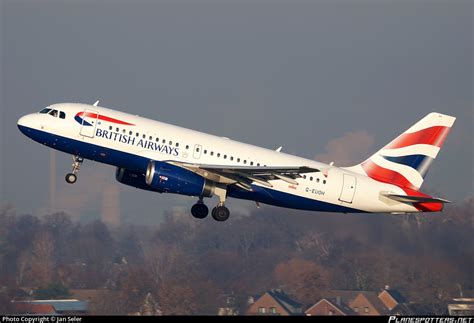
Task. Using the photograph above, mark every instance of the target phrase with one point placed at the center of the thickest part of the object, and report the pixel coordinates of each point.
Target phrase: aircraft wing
(243, 176)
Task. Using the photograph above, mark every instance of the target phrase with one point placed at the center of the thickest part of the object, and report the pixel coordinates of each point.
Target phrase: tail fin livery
(406, 159)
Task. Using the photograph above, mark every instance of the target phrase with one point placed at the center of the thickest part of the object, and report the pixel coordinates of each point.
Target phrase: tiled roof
(26, 308)
(63, 305)
(396, 295)
(289, 304)
(337, 303)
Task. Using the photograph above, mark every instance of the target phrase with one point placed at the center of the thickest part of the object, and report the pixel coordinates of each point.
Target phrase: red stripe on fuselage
(104, 118)
(430, 136)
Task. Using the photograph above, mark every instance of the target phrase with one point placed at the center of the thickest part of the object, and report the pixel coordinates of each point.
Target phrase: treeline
(189, 265)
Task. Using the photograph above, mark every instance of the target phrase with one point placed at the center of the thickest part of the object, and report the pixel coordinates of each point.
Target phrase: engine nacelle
(134, 179)
(173, 179)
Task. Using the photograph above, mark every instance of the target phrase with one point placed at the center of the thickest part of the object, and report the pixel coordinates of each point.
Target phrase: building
(329, 306)
(53, 306)
(346, 302)
(391, 298)
(461, 307)
(368, 303)
(34, 309)
(275, 302)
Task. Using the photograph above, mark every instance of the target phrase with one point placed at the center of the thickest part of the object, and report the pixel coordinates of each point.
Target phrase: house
(368, 303)
(330, 306)
(348, 302)
(60, 306)
(228, 306)
(391, 298)
(275, 302)
(34, 309)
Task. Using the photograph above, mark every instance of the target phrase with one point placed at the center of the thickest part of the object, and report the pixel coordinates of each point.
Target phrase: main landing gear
(219, 213)
(199, 210)
(71, 178)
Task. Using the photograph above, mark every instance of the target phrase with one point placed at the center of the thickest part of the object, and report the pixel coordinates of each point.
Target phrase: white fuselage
(134, 137)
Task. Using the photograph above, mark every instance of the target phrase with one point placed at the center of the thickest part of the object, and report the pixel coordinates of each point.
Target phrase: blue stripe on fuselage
(87, 150)
(139, 164)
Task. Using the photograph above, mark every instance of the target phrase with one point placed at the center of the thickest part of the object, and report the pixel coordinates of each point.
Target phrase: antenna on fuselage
(279, 149)
(96, 102)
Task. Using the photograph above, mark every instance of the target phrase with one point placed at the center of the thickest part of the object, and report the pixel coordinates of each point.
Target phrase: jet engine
(134, 179)
(173, 179)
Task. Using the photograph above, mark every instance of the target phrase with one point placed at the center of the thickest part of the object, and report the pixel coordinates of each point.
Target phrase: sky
(331, 80)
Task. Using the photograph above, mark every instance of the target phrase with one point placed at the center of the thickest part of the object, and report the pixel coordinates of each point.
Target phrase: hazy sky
(311, 76)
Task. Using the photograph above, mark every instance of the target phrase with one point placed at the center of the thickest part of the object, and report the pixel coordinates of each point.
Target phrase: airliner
(164, 158)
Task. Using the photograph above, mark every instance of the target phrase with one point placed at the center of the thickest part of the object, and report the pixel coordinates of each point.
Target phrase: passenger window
(171, 143)
(187, 146)
(317, 180)
(137, 134)
(231, 158)
(324, 182)
(150, 138)
(62, 115)
(157, 139)
(225, 156)
(124, 131)
(117, 129)
(238, 160)
(212, 153)
(218, 154)
(177, 144)
(130, 133)
(245, 162)
(251, 163)
(110, 127)
(143, 136)
(205, 151)
(311, 178)
(258, 164)
(164, 141)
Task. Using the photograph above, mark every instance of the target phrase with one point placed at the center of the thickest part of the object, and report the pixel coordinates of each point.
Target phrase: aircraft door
(88, 120)
(197, 151)
(348, 188)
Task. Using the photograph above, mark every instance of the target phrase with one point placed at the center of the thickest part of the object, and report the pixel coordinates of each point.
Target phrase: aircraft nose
(23, 124)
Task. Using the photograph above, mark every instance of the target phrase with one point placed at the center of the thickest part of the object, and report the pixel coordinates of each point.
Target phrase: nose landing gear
(71, 178)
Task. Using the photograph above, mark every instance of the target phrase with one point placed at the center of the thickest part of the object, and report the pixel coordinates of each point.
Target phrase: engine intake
(173, 179)
(134, 179)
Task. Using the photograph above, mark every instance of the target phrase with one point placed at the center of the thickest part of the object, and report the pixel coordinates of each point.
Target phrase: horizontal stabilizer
(415, 199)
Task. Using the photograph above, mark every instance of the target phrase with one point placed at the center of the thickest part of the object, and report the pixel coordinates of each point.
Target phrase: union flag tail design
(406, 159)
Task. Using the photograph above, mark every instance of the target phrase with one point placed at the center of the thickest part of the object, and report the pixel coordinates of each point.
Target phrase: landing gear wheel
(71, 178)
(220, 213)
(199, 210)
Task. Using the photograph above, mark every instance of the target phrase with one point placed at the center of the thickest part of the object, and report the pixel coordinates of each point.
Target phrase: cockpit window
(45, 110)
(54, 113)
(62, 115)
